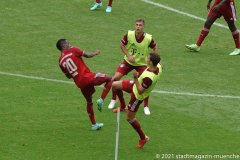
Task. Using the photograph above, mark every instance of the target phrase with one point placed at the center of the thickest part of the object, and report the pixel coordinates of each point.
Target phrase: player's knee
(115, 85)
(117, 77)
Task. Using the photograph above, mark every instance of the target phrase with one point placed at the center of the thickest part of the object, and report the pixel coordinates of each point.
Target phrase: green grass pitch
(46, 120)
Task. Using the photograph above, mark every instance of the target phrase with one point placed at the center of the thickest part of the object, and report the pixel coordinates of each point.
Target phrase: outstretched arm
(139, 87)
(153, 45)
(89, 55)
(155, 49)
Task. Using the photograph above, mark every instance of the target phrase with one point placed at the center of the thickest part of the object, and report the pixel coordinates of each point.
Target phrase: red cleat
(116, 109)
(142, 142)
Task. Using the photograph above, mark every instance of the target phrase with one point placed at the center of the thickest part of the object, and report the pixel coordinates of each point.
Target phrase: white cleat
(235, 52)
(96, 6)
(97, 126)
(112, 104)
(193, 47)
(109, 9)
(147, 111)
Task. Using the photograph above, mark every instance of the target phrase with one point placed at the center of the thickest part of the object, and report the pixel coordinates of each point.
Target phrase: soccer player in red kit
(225, 8)
(73, 66)
(98, 4)
(135, 46)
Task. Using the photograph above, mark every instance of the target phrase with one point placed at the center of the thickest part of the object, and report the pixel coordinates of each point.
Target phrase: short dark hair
(140, 20)
(60, 43)
(154, 58)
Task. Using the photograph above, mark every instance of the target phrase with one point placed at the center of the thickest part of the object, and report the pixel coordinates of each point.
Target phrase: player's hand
(135, 74)
(131, 58)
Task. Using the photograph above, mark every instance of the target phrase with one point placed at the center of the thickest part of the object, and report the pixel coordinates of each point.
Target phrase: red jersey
(73, 66)
(218, 1)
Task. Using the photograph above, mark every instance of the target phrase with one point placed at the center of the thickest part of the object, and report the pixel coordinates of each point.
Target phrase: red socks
(202, 36)
(114, 95)
(110, 3)
(106, 90)
(205, 32)
(135, 124)
(235, 35)
(121, 99)
(91, 113)
(146, 101)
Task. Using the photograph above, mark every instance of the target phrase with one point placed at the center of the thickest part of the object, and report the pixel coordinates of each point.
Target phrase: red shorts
(134, 103)
(88, 91)
(227, 10)
(124, 68)
(127, 85)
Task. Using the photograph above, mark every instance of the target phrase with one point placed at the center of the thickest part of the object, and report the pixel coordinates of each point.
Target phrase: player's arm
(124, 50)
(140, 89)
(79, 53)
(155, 50)
(123, 44)
(91, 54)
(154, 46)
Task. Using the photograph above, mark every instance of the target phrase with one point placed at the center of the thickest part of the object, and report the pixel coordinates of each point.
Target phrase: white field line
(154, 91)
(196, 94)
(37, 78)
(182, 13)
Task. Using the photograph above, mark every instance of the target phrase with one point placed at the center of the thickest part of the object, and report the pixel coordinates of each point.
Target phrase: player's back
(72, 63)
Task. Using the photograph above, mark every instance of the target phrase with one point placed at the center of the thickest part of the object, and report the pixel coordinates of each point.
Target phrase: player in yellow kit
(139, 89)
(135, 45)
